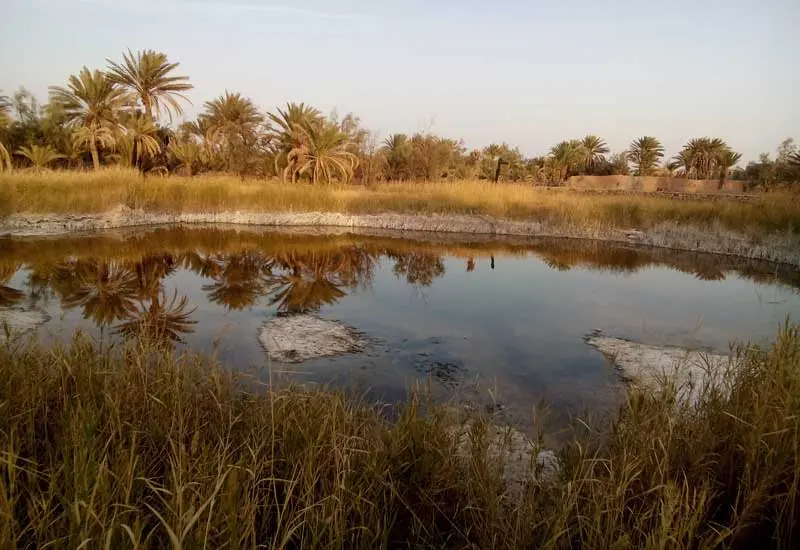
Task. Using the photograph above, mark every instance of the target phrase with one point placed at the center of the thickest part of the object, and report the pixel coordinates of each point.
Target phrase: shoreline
(779, 248)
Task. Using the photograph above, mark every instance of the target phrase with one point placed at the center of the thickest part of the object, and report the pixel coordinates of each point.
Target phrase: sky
(529, 73)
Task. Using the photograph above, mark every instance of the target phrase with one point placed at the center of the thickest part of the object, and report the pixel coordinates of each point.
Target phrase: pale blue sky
(526, 72)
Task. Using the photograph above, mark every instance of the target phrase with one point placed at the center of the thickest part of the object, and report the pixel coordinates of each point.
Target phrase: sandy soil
(775, 247)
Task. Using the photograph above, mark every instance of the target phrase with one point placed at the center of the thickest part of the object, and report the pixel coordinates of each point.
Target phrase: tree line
(123, 115)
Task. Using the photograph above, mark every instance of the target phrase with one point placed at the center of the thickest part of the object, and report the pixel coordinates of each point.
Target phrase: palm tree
(699, 156)
(726, 159)
(232, 113)
(288, 138)
(397, 151)
(566, 155)
(794, 159)
(186, 153)
(5, 111)
(683, 163)
(594, 150)
(645, 153)
(90, 99)
(324, 153)
(40, 156)
(232, 124)
(86, 137)
(5, 158)
(287, 121)
(143, 139)
(200, 130)
(148, 75)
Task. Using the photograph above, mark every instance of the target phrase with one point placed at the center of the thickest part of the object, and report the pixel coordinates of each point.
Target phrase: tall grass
(86, 192)
(135, 448)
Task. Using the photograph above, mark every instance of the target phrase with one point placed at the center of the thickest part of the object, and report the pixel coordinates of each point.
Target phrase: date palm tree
(324, 152)
(288, 138)
(684, 163)
(645, 154)
(85, 137)
(397, 152)
(142, 136)
(286, 122)
(149, 76)
(233, 121)
(40, 156)
(90, 99)
(700, 156)
(726, 159)
(5, 111)
(594, 150)
(5, 158)
(565, 156)
(187, 154)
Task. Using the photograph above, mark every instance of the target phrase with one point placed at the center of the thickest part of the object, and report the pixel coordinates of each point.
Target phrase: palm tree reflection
(106, 291)
(306, 282)
(238, 280)
(418, 268)
(296, 293)
(159, 321)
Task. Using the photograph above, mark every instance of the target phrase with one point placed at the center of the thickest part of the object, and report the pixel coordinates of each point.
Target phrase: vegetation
(100, 115)
(68, 192)
(140, 448)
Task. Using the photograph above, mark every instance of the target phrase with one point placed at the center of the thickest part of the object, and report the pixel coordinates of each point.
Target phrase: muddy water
(493, 321)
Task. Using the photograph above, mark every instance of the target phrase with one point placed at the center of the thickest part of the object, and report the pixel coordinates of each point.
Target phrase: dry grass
(134, 448)
(88, 192)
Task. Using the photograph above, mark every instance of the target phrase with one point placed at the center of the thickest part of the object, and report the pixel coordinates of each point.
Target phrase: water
(494, 321)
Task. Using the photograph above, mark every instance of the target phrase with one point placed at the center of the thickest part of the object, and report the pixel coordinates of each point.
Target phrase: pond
(496, 321)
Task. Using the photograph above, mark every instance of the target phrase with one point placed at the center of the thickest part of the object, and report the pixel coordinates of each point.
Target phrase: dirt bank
(777, 247)
(689, 370)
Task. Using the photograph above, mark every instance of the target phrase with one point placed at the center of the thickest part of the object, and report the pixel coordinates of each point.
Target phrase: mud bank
(654, 367)
(778, 247)
(298, 338)
(19, 321)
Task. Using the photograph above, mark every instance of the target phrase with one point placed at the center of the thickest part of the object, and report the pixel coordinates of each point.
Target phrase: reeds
(86, 192)
(137, 448)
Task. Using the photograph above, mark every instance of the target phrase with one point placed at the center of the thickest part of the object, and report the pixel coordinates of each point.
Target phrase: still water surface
(496, 319)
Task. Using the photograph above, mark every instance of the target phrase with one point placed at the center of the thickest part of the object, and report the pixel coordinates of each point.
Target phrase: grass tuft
(137, 448)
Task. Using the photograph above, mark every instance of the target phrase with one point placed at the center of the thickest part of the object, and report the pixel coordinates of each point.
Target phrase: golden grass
(90, 192)
(137, 448)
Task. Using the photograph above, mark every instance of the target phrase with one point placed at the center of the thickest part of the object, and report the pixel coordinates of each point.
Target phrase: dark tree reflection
(159, 321)
(105, 291)
(238, 280)
(418, 268)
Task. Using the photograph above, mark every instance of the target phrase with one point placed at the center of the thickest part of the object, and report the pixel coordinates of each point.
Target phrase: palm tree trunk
(134, 162)
(148, 108)
(95, 154)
